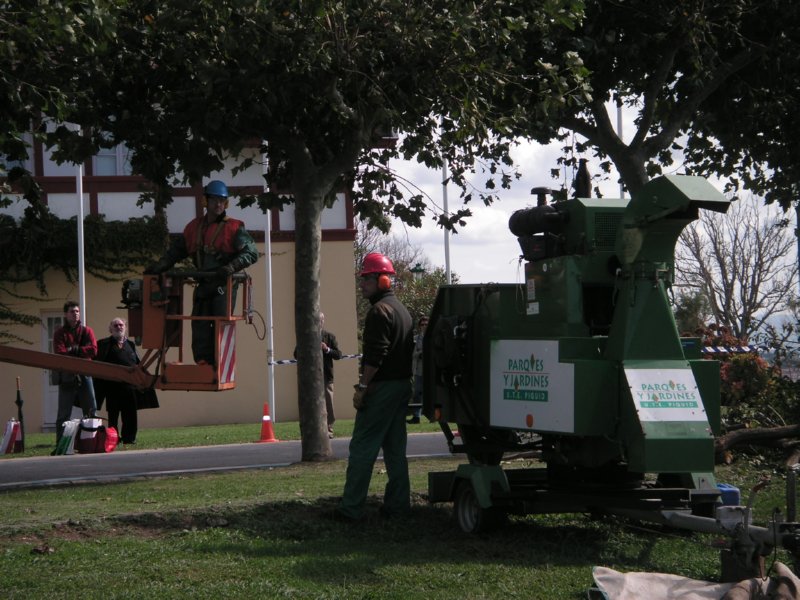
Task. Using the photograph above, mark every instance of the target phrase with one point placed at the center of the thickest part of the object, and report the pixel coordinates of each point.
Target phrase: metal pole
(619, 134)
(20, 418)
(270, 345)
(81, 265)
(269, 324)
(446, 231)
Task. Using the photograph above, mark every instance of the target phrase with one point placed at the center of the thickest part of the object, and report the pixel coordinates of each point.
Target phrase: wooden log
(776, 437)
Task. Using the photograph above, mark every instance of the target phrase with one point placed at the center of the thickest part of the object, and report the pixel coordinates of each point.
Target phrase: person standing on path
(120, 397)
(330, 352)
(416, 412)
(74, 339)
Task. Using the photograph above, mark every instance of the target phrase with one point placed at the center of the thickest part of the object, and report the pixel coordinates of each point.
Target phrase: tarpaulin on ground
(613, 585)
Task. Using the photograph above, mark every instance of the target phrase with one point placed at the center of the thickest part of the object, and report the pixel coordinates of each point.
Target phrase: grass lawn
(265, 533)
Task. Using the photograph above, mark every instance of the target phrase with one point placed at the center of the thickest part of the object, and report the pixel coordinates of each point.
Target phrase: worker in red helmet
(381, 396)
(217, 244)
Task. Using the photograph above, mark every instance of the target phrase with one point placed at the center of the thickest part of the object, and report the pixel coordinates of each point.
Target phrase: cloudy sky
(485, 250)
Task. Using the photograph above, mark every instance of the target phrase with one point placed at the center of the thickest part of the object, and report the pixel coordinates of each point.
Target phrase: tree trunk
(629, 161)
(632, 171)
(310, 390)
(311, 183)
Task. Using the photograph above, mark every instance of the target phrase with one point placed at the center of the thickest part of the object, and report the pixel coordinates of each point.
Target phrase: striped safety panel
(731, 349)
(227, 353)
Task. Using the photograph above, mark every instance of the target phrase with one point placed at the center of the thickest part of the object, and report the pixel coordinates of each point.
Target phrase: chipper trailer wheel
(472, 518)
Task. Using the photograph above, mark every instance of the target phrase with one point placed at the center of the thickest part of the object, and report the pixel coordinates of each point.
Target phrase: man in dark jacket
(330, 352)
(120, 397)
(381, 397)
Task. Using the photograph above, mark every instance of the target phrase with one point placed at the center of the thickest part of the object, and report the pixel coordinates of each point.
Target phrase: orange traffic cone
(267, 435)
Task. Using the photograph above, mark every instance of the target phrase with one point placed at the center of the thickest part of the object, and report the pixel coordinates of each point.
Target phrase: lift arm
(155, 316)
(134, 375)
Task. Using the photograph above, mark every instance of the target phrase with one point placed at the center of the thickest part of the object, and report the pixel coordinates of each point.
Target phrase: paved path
(39, 471)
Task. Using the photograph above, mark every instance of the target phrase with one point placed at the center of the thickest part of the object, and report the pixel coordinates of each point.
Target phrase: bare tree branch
(743, 262)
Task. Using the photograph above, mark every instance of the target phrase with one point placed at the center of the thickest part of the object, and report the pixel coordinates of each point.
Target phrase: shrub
(744, 378)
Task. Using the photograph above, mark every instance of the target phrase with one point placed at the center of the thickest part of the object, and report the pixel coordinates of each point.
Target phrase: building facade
(110, 189)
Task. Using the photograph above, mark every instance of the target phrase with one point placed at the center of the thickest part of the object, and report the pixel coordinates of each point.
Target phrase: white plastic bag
(66, 445)
(11, 436)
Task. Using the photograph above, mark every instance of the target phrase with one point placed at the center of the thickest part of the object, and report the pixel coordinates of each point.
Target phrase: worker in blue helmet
(216, 188)
(216, 244)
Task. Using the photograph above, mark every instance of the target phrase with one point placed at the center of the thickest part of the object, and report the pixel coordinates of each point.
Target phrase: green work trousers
(381, 423)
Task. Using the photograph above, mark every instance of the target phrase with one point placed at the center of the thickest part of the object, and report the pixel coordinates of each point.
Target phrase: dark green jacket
(388, 341)
(225, 242)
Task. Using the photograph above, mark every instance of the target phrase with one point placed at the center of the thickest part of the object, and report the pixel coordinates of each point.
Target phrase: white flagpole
(619, 134)
(446, 231)
(269, 325)
(81, 264)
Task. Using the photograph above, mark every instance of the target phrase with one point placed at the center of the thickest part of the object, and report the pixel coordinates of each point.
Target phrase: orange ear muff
(384, 283)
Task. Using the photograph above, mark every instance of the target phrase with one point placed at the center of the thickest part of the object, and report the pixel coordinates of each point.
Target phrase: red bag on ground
(112, 439)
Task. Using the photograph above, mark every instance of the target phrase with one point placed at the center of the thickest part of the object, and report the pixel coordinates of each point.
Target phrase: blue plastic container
(729, 495)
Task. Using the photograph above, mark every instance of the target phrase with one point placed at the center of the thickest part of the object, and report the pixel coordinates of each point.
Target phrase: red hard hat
(375, 262)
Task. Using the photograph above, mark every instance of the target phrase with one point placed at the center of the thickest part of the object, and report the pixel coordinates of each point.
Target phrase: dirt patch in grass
(81, 532)
(140, 526)
(159, 524)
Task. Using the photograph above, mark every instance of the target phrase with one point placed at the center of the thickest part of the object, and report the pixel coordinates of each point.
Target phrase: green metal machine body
(585, 358)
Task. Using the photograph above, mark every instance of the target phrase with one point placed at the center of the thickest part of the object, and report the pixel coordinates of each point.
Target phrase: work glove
(359, 397)
(226, 270)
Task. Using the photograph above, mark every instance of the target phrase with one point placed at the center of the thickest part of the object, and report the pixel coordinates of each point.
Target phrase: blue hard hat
(216, 188)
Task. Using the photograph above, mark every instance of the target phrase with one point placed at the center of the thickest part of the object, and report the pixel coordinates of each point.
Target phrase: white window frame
(122, 164)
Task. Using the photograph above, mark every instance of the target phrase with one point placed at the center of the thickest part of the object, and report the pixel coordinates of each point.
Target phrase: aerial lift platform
(156, 319)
